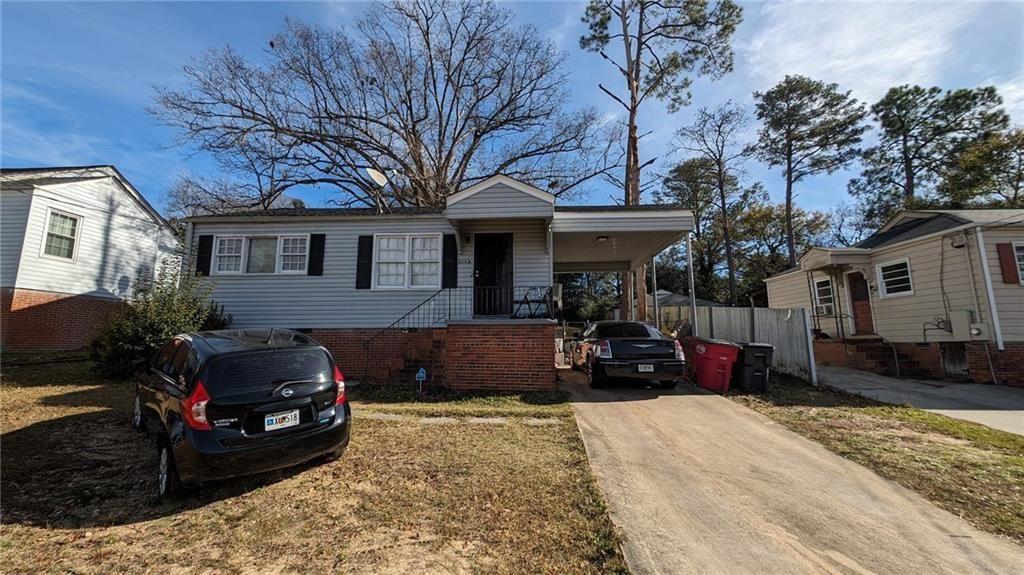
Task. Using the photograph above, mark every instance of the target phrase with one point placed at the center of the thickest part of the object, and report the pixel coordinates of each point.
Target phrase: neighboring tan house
(72, 241)
(933, 293)
(463, 291)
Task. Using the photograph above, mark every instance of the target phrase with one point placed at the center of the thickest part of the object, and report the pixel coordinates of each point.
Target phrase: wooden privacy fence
(789, 330)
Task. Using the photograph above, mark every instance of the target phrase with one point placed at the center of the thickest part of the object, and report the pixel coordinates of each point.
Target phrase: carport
(618, 239)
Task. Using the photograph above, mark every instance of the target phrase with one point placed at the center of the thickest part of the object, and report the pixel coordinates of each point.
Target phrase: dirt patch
(968, 469)
(78, 490)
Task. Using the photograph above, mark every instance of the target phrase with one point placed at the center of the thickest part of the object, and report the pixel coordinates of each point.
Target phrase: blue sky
(75, 78)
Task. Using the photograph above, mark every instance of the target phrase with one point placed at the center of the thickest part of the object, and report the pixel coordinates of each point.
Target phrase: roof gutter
(1000, 345)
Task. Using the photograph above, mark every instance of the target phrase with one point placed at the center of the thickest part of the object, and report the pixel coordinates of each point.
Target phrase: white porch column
(654, 291)
(693, 288)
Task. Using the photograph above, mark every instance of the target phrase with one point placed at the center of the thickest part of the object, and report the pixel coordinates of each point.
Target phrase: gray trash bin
(750, 374)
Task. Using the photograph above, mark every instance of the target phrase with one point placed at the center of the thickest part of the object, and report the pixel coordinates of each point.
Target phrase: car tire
(594, 379)
(138, 421)
(668, 383)
(335, 454)
(167, 482)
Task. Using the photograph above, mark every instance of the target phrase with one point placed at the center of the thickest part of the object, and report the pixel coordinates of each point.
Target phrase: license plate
(645, 368)
(281, 420)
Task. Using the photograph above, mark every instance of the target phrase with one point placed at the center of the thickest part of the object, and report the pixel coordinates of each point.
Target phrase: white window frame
(1019, 259)
(817, 300)
(214, 256)
(407, 286)
(882, 292)
(278, 259)
(78, 235)
(281, 254)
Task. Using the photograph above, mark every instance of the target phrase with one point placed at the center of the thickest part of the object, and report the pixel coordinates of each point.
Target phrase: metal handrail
(408, 314)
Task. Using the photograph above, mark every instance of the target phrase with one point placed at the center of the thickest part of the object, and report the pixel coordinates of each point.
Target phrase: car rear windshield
(623, 330)
(265, 369)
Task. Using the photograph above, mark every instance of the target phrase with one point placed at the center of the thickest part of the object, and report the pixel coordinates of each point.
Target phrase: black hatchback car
(235, 402)
(629, 350)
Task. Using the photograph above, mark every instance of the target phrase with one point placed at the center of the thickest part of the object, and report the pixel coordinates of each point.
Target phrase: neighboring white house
(72, 241)
(464, 289)
(941, 291)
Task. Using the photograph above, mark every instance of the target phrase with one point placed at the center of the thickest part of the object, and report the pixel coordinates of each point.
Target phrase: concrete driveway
(700, 484)
(996, 406)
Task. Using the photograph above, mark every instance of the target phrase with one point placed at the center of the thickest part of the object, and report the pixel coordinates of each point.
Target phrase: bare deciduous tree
(438, 95)
(714, 136)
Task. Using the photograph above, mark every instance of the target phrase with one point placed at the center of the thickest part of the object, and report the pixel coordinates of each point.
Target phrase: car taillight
(340, 380)
(193, 409)
(604, 349)
(679, 350)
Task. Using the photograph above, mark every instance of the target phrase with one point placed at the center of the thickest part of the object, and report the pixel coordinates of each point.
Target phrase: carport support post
(693, 290)
(654, 290)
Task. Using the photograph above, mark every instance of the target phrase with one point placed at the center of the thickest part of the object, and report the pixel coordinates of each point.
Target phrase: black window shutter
(316, 255)
(364, 262)
(204, 255)
(449, 263)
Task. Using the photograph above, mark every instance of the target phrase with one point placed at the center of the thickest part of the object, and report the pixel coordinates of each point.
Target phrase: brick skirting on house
(516, 355)
(926, 360)
(33, 320)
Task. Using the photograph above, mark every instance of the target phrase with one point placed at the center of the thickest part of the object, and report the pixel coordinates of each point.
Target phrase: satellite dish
(377, 176)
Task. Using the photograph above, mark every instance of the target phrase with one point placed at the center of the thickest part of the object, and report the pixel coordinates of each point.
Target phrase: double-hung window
(824, 297)
(294, 253)
(62, 231)
(407, 261)
(894, 278)
(228, 255)
(261, 254)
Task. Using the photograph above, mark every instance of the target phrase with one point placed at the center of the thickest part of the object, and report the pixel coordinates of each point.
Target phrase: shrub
(161, 306)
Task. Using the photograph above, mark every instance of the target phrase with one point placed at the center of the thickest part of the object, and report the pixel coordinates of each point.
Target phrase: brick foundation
(467, 356)
(1007, 364)
(46, 321)
(925, 360)
(507, 356)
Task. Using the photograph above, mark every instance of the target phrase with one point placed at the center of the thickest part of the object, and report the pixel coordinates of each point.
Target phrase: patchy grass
(406, 497)
(968, 469)
(445, 402)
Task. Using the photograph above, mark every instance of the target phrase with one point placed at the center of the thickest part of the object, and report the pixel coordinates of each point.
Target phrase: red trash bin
(712, 362)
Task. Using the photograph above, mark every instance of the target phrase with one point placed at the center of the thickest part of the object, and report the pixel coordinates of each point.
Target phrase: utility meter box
(960, 324)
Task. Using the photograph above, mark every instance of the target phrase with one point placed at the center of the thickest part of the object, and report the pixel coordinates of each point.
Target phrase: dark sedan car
(629, 350)
(235, 402)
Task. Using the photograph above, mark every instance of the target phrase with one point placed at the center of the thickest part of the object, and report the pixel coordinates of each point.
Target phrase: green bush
(161, 306)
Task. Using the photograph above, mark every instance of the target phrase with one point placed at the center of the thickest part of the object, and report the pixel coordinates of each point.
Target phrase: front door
(492, 274)
(860, 301)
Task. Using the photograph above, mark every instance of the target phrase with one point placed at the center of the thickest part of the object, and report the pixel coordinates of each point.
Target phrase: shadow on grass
(91, 469)
(788, 391)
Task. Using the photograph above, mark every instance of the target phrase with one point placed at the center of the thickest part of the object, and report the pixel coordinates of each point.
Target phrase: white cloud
(1012, 92)
(27, 145)
(567, 30)
(866, 48)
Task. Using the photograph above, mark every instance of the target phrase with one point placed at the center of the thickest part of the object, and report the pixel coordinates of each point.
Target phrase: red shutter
(1008, 263)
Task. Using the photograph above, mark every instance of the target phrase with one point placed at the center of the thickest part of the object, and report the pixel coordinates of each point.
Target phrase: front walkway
(701, 484)
(996, 406)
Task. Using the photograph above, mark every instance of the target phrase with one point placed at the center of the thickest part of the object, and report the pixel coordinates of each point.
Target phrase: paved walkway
(996, 406)
(700, 484)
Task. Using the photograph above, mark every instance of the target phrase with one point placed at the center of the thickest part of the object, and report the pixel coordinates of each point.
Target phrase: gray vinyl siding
(332, 300)
(117, 240)
(500, 201)
(1009, 297)
(15, 203)
(791, 291)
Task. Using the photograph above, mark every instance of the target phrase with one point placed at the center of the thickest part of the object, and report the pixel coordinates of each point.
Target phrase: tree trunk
(790, 239)
(908, 172)
(727, 236)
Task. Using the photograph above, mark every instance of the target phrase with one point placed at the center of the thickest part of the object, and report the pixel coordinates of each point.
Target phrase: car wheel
(138, 423)
(167, 483)
(668, 383)
(594, 379)
(335, 454)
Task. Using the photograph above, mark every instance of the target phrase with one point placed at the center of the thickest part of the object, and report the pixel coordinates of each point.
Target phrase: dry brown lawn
(407, 497)
(966, 468)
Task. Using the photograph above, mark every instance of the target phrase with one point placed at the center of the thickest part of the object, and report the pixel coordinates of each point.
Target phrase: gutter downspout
(693, 289)
(988, 290)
